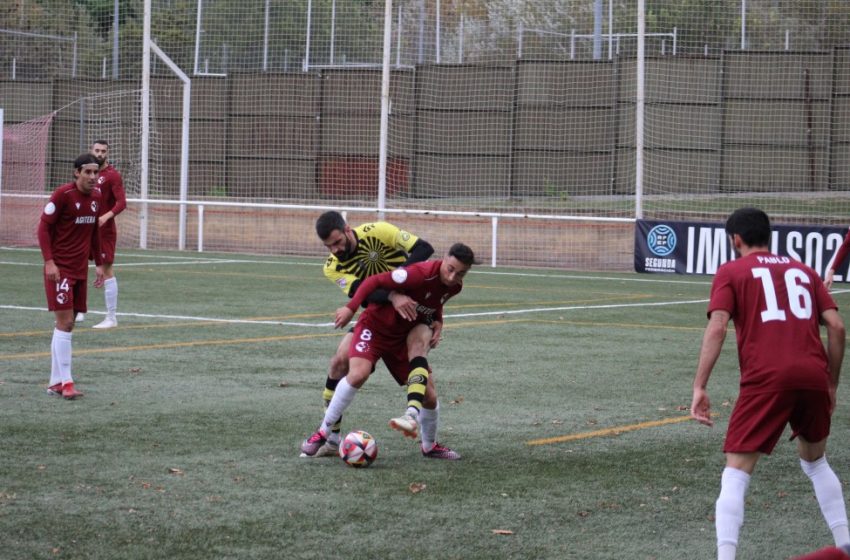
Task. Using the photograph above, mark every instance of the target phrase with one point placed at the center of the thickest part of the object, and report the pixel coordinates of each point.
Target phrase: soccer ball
(358, 449)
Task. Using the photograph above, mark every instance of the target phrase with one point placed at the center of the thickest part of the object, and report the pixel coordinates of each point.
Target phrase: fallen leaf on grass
(502, 532)
(174, 470)
(283, 384)
(457, 400)
(683, 407)
(416, 487)
(135, 370)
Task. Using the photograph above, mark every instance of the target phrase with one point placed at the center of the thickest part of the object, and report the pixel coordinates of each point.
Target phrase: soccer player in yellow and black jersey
(355, 254)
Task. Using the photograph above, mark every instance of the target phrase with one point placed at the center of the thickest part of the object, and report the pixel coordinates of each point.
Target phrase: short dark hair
(462, 253)
(752, 224)
(328, 222)
(104, 142)
(84, 159)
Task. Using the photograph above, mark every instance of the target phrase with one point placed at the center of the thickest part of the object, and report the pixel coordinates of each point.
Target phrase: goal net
(38, 156)
(512, 126)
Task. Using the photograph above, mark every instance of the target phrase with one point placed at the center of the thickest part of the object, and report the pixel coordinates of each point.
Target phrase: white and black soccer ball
(358, 449)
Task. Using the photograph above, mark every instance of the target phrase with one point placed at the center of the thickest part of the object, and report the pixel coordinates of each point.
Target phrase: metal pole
(146, 104)
(385, 110)
(460, 40)
(398, 39)
(639, 106)
(743, 24)
(421, 58)
(266, 38)
(519, 32)
(198, 35)
(597, 29)
(115, 40)
(333, 28)
(74, 64)
(610, 29)
(437, 40)
(306, 65)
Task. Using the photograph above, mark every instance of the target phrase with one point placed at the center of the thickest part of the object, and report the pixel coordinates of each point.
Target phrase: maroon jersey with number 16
(775, 303)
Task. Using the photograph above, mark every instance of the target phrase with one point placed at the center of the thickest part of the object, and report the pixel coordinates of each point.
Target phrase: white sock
(110, 294)
(60, 351)
(729, 511)
(343, 396)
(830, 498)
(429, 418)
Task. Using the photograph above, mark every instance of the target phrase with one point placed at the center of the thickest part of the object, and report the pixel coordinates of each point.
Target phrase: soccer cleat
(55, 390)
(407, 425)
(80, 318)
(441, 452)
(329, 449)
(107, 323)
(69, 392)
(310, 447)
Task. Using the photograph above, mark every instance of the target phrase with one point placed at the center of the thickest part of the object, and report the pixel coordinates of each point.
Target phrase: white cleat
(407, 425)
(107, 323)
(80, 318)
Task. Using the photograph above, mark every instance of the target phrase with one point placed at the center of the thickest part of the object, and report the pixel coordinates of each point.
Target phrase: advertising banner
(700, 248)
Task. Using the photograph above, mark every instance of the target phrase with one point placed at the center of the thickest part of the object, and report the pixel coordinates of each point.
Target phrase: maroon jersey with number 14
(68, 229)
(776, 304)
(420, 281)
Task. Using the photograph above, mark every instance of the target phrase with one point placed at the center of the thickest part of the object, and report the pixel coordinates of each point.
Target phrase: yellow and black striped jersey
(381, 246)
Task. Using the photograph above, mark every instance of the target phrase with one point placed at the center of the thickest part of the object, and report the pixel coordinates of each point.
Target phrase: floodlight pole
(385, 109)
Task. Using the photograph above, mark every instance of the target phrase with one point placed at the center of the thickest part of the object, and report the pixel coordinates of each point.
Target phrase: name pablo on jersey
(772, 259)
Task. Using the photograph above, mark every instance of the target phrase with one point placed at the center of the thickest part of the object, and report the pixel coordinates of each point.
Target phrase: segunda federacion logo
(661, 240)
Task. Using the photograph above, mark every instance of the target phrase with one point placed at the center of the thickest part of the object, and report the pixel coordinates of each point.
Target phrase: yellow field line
(617, 430)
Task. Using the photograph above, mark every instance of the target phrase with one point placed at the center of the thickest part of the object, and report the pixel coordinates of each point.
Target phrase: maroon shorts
(372, 346)
(758, 420)
(108, 239)
(67, 293)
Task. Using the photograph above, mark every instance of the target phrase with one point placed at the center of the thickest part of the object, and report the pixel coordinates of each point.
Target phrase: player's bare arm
(51, 270)
(404, 305)
(712, 344)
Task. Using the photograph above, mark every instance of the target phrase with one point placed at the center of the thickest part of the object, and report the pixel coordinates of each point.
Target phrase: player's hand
(701, 408)
(98, 276)
(102, 220)
(829, 278)
(342, 317)
(404, 305)
(51, 271)
(436, 333)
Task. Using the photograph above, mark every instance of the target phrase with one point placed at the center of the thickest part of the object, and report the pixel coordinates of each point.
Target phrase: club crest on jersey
(101, 180)
(341, 283)
(61, 298)
(77, 204)
(94, 206)
(361, 346)
(399, 275)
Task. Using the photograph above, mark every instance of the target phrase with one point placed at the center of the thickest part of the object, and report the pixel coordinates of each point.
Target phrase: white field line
(329, 324)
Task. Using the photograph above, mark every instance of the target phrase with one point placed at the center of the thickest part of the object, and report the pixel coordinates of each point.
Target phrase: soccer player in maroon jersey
(114, 202)
(67, 233)
(381, 333)
(787, 377)
(827, 553)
